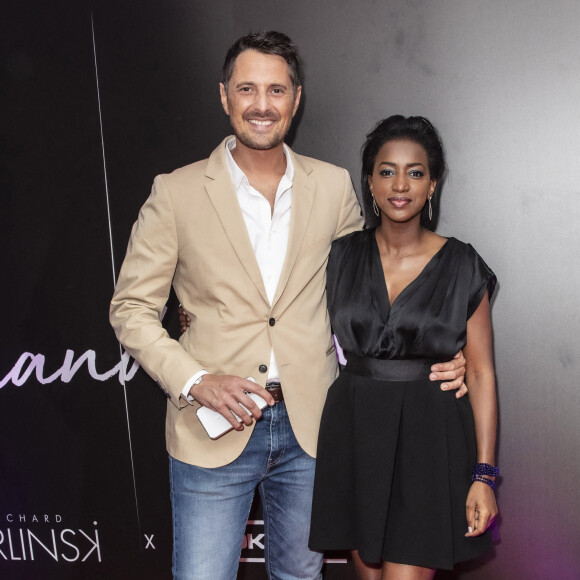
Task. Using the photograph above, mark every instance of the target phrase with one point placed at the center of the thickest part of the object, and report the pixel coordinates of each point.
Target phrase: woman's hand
(480, 508)
(184, 320)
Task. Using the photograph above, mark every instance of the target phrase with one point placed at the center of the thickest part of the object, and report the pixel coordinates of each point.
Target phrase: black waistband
(389, 370)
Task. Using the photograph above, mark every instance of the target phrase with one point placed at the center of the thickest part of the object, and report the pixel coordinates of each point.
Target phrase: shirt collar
(239, 177)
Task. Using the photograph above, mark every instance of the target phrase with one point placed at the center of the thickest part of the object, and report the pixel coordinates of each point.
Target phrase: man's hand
(184, 320)
(225, 394)
(452, 371)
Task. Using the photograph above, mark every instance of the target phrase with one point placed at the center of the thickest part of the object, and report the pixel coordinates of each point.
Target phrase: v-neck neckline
(428, 266)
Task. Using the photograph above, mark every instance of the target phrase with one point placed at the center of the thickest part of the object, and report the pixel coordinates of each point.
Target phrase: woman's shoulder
(467, 257)
(354, 244)
(357, 238)
(462, 248)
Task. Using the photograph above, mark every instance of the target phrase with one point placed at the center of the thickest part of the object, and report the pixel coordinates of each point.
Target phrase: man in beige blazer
(244, 238)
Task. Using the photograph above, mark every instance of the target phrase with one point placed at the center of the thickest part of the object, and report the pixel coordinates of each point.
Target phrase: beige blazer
(191, 233)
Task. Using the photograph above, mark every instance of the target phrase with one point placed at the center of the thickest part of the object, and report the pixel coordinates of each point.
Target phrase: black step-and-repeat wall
(97, 97)
(98, 101)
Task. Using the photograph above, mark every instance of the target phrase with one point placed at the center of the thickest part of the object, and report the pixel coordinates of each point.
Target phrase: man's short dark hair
(267, 42)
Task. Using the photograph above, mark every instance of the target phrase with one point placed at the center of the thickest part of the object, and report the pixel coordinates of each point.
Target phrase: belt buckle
(275, 389)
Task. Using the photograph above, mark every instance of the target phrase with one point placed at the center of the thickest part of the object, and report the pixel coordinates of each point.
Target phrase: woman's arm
(481, 507)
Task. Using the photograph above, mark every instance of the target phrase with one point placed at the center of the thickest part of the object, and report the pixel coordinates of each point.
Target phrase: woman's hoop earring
(376, 207)
(430, 210)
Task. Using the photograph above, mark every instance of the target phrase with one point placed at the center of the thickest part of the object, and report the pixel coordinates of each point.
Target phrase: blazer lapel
(223, 197)
(303, 191)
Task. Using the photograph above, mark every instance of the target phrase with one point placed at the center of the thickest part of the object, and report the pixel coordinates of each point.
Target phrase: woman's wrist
(485, 473)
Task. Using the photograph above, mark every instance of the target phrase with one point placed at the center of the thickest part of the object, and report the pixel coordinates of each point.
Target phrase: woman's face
(400, 180)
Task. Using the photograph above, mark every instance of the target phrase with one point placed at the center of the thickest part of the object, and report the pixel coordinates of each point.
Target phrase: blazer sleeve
(141, 294)
(350, 217)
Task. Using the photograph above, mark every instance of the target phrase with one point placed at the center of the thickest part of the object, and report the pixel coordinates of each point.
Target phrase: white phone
(216, 424)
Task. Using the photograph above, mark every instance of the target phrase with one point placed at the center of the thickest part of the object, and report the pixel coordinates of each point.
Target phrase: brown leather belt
(275, 389)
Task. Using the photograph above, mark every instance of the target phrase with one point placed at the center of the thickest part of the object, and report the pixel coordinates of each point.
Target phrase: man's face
(260, 100)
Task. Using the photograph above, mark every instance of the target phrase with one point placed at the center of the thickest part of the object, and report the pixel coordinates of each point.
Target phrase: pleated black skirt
(394, 468)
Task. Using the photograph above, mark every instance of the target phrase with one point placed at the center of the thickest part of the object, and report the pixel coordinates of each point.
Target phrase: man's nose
(262, 101)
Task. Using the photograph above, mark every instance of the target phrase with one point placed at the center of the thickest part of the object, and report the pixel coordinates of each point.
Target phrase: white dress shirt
(268, 232)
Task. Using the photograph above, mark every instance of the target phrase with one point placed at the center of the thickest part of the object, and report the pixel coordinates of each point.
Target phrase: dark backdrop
(83, 469)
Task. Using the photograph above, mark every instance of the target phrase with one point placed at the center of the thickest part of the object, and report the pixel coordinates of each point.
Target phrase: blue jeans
(211, 507)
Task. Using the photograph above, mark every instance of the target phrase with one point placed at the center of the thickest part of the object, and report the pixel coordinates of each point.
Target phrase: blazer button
(272, 321)
(263, 368)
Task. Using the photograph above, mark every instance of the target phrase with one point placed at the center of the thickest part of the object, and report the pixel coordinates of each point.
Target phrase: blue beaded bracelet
(484, 479)
(485, 469)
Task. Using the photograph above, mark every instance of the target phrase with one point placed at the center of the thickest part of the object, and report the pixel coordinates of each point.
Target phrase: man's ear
(297, 99)
(224, 98)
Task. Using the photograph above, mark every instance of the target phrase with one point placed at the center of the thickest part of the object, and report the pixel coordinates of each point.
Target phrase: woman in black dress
(405, 472)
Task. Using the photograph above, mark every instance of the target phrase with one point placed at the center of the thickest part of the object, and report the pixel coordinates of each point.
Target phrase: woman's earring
(430, 210)
(375, 207)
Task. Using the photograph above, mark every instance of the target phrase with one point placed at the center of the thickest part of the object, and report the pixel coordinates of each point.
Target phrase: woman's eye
(387, 172)
(416, 173)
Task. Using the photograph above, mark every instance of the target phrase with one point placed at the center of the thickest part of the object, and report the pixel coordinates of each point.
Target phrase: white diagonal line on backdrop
(122, 367)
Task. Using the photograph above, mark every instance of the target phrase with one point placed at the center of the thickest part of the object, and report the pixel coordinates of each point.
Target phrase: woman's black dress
(395, 456)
